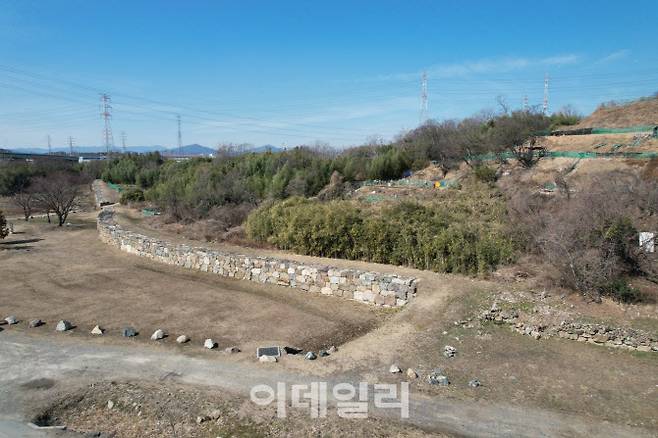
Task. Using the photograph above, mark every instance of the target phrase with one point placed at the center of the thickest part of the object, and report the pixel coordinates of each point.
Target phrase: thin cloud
(483, 66)
(614, 56)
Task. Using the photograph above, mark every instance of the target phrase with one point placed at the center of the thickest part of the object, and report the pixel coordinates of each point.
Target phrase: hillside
(639, 112)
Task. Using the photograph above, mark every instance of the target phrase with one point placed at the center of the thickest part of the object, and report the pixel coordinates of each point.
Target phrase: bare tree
(59, 193)
(26, 199)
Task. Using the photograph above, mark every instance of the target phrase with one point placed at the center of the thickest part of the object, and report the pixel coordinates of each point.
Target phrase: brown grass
(642, 112)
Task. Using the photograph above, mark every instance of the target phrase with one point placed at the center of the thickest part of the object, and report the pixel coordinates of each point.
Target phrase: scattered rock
(332, 349)
(411, 374)
(323, 353)
(11, 320)
(310, 356)
(474, 383)
(157, 335)
(267, 359)
(97, 330)
(110, 404)
(231, 350)
(215, 415)
(436, 377)
(128, 332)
(449, 351)
(209, 344)
(63, 326)
(200, 419)
(394, 369)
(182, 339)
(35, 323)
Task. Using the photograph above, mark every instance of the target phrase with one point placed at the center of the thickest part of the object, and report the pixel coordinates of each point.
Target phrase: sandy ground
(68, 273)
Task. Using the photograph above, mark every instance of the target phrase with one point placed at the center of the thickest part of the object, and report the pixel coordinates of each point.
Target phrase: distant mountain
(190, 149)
(88, 149)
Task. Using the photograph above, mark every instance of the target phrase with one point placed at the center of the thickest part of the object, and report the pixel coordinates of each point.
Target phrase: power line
(106, 114)
(423, 98)
(545, 105)
(180, 136)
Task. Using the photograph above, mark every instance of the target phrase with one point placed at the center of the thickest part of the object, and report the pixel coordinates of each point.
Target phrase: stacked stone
(367, 287)
(610, 336)
(582, 332)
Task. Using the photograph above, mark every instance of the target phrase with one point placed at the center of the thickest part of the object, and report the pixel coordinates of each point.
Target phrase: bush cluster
(132, 195)
(455, 237)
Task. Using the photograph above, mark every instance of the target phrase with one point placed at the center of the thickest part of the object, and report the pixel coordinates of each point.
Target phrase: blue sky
(297, 72)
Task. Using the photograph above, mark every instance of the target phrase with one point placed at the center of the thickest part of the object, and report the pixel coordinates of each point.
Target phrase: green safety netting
(116, 187)
(571, 154)
(641, 128)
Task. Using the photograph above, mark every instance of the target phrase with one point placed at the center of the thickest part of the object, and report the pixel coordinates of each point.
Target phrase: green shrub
(132, 195)
(620, 290)
(452, 237)
(486, 174)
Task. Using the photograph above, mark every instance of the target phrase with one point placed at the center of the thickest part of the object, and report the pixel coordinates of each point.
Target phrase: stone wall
(367, 287)
(598, 334)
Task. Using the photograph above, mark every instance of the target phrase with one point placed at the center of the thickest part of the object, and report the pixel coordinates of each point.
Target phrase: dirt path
(26, 358)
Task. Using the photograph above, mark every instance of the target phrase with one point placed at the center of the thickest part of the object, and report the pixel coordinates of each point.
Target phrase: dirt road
(64, 361)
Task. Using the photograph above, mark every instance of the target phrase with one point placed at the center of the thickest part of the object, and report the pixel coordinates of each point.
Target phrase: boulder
(182, 339)
(267, 359)
(323, 353)
(35, 323)
(63, 326)
(600, 338)
(449, 351)
(436, 377)
(97, 330)
(310, 356)
(332, 349)
(394, 369)
(232, 350)
(474, 383)
(411, 374)
(128, 332)
(157, 335)
(209, 344)
(11, 320)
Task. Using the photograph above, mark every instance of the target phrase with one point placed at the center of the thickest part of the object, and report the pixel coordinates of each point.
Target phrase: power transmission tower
(50, 149)
(545, 105)
(525, 103)
(424, 108)
(106, 114)
(180, 137)
(70, 145)
(123, 141)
